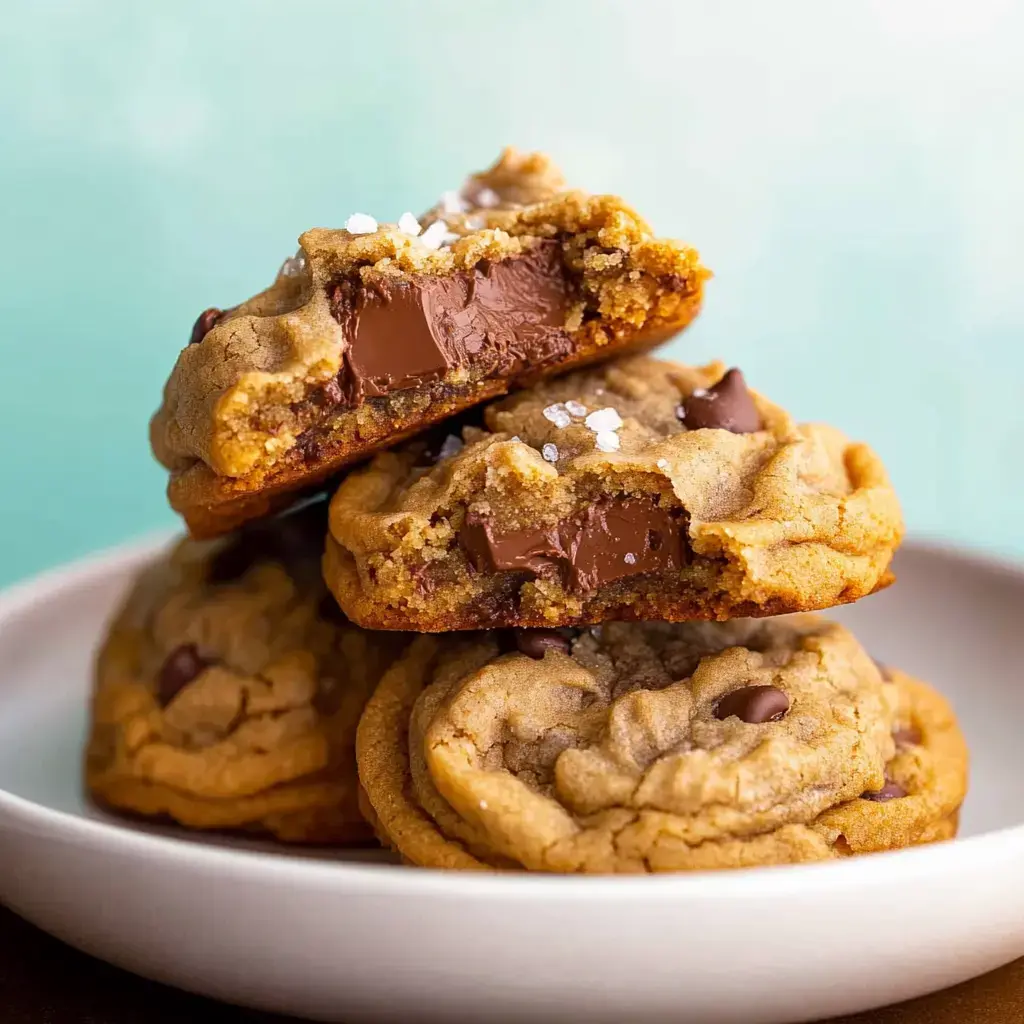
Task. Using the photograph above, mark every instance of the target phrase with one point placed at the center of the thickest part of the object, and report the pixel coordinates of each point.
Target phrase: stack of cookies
(542, 621)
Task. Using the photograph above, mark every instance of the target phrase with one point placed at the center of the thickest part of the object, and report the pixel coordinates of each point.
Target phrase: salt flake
(360, 224)
(629, 558)
(550, 452)
(576, 408)
(450, 446)
(452, 202)
(558, 415)
(294, 265)
(603, 420)
(607, 441)
(408, 224)
(434, 235)
(662, 463)
(487, 198)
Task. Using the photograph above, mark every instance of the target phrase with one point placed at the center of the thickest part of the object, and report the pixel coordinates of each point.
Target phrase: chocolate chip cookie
(655, 747)
(228, 690)
(640, 489)
(371, 333)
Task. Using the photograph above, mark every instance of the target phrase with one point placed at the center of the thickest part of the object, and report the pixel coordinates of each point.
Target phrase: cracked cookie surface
(639, 489)
(656, 747)
(372, 333)
(228, 689)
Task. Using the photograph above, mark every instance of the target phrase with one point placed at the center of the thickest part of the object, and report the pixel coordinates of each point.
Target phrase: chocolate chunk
(753, 704)
(180, 667)
(908, 736)
(611, 540)
(534, 642)
(205, 323)
(890, 791)
(500, 317)
(726, 405)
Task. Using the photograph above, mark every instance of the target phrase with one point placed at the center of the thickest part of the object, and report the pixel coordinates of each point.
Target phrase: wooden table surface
(42, 981)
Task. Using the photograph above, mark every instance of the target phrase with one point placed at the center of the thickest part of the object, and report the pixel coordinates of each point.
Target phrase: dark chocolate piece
(753, 704)
(908, 736)
(181, 666)
(726, 405)
(500, 317)
(890, 791)
(205, 322)
(535, 642)
(609, 541)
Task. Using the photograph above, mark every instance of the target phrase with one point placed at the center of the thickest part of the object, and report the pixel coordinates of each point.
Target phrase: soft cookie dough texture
(656, 747)
(640, 489)
(228, 690)
(372, 333)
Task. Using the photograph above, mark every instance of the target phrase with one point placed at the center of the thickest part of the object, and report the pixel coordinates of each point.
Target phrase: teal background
(854, 173)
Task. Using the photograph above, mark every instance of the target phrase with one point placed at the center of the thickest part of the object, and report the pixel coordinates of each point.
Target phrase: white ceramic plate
(336, 936)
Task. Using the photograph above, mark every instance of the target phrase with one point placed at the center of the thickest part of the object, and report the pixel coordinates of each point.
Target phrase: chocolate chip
(180, 667)
(753, 704)
(726, 405)
(906, 737)
(205, 323)
(534, 642)
(890, 791)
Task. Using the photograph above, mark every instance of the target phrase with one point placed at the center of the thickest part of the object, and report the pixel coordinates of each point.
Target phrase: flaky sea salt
(629, 558)
(662, 463)
(576, 408)
(602, 420)
(450, 446)
(435, 234)
(607, 441)
(550, 452)
(558, 415)
(452, 202)
(680, 412)
(408, 224)
(475, 223)
(360, 224)
(516, 437)
(294, 265)
(487, 198)
(699, 393)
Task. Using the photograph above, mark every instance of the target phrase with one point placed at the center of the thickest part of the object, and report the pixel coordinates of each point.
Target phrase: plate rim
(776, 881)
